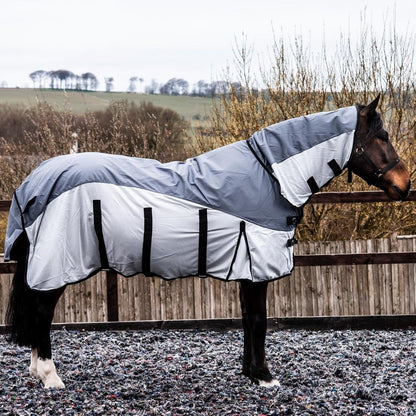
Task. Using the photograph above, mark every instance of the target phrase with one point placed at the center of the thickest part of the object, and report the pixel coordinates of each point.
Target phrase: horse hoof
(54, 383)
(33, 371)
(268, 384)
(47, 373)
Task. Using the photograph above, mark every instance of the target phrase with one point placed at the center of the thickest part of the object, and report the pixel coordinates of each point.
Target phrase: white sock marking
(47, 373)
(33, 368)
(268, 384)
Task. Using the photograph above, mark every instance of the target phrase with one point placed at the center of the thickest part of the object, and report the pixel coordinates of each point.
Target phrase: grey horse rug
(230, 213)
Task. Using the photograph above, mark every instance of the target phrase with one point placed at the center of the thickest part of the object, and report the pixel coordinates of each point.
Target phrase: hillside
(190, 108)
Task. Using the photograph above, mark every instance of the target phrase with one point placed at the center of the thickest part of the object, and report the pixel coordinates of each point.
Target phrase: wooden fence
(372, 277)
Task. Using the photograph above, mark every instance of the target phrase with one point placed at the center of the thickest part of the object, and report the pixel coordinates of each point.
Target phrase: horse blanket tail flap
(230, 213)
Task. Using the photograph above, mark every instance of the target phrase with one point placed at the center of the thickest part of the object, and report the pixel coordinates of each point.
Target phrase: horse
(235, 208)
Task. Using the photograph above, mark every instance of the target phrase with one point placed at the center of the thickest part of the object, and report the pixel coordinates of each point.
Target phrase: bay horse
(235, 208)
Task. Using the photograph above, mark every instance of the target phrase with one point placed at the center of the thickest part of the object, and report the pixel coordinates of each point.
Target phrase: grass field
(80, 101)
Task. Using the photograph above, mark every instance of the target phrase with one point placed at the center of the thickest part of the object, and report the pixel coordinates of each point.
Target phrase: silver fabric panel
(288, 138)
(67, 226)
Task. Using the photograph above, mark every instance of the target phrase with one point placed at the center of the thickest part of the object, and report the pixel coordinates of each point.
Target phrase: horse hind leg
(42, 365)
(33, 368)
(29, 316)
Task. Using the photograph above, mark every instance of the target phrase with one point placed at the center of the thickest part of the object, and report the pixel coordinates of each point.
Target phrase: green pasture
(191, 108)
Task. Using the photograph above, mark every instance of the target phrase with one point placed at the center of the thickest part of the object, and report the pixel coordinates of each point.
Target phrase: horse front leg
(253, 298)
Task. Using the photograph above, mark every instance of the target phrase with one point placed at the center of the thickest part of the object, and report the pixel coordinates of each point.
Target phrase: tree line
(64, 79)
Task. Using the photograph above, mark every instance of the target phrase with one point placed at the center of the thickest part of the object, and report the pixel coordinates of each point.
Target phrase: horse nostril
(402, 194)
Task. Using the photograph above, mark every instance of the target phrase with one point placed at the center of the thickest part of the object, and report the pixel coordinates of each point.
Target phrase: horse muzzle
(396, 183)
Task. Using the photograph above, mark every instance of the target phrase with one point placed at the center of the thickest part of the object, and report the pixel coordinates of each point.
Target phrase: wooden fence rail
(370, 277)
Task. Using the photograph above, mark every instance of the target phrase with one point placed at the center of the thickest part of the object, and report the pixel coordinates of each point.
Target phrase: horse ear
(370, 109)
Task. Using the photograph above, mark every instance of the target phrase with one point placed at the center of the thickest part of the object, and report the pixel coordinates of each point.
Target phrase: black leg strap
(147, 241)
(203, 241)
(98, 227)
(242, 233)
(313, 185)
(333, 164)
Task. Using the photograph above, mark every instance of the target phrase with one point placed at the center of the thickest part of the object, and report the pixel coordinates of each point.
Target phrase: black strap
(98, 227)
(313, 185)
(268, 169)
(391, 165)
(203, 241)
(242, 232)
(147, 241)
(29, 204)
(333, 164)
(349, 173)
(291, 242)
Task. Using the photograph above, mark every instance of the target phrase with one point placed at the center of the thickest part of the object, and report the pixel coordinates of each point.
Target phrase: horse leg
(33, 368)
(42, 349)
(29, 316)
(253, 305)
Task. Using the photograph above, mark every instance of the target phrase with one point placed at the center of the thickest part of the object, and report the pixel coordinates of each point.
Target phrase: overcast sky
(162, 39)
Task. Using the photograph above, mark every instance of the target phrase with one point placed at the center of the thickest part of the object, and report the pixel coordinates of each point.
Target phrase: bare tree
(153, 88)
(132, 86)
(109, 84)
(65, 77)
(53, 78)
(37, 77)
(89, 81)
(202, 89)
(175, 86)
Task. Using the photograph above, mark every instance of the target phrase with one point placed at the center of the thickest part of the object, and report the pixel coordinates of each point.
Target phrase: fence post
(112, 296)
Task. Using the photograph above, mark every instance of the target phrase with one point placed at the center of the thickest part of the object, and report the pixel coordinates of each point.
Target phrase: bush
(30, 136)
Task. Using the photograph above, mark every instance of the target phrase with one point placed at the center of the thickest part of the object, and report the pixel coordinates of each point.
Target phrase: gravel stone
(165, 372)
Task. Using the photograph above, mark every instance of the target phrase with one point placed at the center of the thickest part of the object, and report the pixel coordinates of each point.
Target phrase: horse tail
(21, 316)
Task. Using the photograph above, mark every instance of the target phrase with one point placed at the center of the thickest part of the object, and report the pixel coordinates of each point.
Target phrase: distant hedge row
(29, 136)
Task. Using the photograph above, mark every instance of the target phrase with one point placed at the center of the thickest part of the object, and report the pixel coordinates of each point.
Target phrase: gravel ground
(198, 373)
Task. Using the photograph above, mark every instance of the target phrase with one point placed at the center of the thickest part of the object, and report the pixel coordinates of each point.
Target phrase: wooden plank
(397, 287)
(386, 277)
(5, 205)
(412, 273)
(353, 274)
(362, 272)
(356, 258)
(7, 268)
(112, 296)
(316, 286)
(93, 313)
(152, 297)
(378, 322)
(346, 273)
(372, 283)
(330, 282)
(197, 298)
(235, 304)
(319, 198)
(4, 297)
(355, 197)
(334, 247)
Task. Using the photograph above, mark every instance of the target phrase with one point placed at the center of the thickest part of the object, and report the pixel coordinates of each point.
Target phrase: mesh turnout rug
(230, 213)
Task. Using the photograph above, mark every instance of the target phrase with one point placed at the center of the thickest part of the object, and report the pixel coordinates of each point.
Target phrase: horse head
(374, 158)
